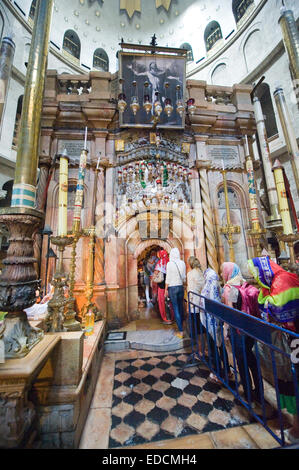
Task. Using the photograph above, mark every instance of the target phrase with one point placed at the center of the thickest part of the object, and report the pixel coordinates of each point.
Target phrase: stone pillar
(24, 189)
(7, 52)
(18, 280)
(271, 189)
(209, 225)
(199, 241)
(288, 132)
(290, 36)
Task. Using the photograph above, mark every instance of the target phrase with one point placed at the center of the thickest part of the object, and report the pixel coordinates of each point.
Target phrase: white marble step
(148, 340)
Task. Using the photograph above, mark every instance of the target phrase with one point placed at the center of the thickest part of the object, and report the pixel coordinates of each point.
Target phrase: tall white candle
(246, 146)
(85, 140)
(223, 167)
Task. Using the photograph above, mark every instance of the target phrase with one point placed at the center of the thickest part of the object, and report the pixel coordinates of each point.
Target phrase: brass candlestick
(70, 323)
(90, 278)
(56, 306)
(290, 239)
(229, 229)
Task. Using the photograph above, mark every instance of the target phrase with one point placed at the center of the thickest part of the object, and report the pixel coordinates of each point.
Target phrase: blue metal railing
(249, 338)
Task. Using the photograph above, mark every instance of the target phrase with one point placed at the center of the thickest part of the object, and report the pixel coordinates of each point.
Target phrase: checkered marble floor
(154, 399)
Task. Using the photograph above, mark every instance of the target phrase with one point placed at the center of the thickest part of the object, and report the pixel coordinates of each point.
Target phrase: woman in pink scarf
(161, 266)
(232, 277)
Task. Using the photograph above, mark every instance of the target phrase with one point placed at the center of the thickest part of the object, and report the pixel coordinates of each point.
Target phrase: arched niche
(240, 7)
(188, 48)
(71, 43)
(100, 60)
(239, 210)
(212, 34)
(251, 46)
(219, 75)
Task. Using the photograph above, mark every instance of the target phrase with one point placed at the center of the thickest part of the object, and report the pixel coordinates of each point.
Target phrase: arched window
(1, 25)
(212, 34)
(264, 95)
(17, 121)
(189, 53)
(100, 60)
(71, 43)
(240, 7)
(32, 10)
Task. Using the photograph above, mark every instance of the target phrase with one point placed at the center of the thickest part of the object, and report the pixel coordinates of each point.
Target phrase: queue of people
(276, 301)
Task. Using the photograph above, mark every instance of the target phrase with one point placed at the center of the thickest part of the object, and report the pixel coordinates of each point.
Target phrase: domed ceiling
(104, 23)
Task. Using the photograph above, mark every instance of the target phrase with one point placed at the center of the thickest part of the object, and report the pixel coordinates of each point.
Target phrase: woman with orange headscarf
(161, 267)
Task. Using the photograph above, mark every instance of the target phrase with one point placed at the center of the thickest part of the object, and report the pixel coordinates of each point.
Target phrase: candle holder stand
(90, 232)
(19, 282)
(56, 306)
(290, 239)
(70, 323)
(229, 229)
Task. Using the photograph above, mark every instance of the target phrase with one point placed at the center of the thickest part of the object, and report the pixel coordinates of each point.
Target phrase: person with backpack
(174, 286)
(279, 304)
(240, 295)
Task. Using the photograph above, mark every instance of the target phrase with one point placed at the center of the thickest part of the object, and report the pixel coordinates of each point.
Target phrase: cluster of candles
(131, 173)
(157, 107)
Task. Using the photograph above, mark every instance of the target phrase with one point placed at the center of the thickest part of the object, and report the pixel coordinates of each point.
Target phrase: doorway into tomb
(147, 293)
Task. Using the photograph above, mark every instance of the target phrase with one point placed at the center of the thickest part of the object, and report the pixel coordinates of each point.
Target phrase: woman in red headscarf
(161, 267)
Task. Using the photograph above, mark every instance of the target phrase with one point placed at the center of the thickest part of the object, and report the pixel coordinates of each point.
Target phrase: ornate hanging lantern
(157, 105)
(121, 104)
(168, 107)
(147, 105)
(180, 107)
(134, 100)
(191, 106)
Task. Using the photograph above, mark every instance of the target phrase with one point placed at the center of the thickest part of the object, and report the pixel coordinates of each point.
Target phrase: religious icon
(185, 147)
(119, 145)
(164, 77)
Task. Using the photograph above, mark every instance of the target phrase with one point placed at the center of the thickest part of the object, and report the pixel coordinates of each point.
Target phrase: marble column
(18, 280)
(24, 188)
(274, 218)
(288, 132)
(208, 222)
(209, 225)
(290, 36)
(7, 52)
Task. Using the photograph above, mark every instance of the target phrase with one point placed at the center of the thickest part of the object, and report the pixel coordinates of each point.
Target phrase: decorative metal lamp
(134, 100)
(121, 104)
(191, 106)
(147, 105)
(157, 105)
(168, 107)
(180, 108)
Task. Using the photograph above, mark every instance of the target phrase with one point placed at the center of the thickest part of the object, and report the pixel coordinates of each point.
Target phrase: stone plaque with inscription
(73, 148)
(228, 153)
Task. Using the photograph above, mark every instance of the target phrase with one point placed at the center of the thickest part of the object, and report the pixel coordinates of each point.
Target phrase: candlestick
(79, 191)
(282, 198)
(228, 229)
(246, 147)
(85, 140)
(62, 201)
